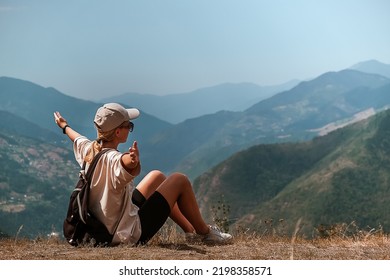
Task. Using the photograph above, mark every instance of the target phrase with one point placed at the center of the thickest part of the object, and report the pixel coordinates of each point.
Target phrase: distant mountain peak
(370, 62)
(373, 66)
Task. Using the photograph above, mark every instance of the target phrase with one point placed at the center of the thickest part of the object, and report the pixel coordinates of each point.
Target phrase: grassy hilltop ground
(170, 245)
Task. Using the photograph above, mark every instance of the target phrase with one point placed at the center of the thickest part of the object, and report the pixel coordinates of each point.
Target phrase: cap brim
(133, 113)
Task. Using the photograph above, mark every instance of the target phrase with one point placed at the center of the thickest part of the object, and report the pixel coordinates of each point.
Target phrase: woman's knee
(180, 179)
(174, 186)
(157, 175)
(150, 183)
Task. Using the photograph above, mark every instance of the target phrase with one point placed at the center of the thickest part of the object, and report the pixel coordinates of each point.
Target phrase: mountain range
(193, 146)
(292, 115)
(37, 104)
(236, 97)
(340, 178)
(176, 108)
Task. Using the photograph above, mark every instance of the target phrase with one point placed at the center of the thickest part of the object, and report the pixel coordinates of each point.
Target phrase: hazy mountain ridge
(338, 178)
(326, 90)
(176, 108)
(373, 66)
(14, 124)
(291, 115)
(36, 105)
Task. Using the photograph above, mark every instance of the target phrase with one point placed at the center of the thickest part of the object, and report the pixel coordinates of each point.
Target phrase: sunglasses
(128, 125)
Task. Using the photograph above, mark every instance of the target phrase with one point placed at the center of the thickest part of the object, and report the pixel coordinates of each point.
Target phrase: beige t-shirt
(110, 195)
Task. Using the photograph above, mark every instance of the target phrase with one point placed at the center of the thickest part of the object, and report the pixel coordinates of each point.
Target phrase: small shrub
(220, 214)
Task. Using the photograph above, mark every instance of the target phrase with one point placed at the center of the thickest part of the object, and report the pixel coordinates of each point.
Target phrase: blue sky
(98, 48)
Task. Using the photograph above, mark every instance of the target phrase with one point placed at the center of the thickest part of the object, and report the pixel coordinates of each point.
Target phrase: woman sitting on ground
(134, 214)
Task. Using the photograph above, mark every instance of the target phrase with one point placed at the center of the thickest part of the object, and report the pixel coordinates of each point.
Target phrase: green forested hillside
(342, 177)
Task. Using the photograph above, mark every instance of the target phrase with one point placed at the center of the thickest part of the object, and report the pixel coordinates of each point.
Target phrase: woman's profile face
(123, 132)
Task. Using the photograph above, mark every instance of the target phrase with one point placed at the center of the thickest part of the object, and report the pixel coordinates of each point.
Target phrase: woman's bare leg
(148, 186)
(177, 190)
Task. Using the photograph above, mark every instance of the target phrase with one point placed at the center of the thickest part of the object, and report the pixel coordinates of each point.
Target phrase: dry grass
(170, 245)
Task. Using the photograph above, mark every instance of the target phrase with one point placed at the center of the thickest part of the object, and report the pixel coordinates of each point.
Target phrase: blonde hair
(102, 137)
(97, 145)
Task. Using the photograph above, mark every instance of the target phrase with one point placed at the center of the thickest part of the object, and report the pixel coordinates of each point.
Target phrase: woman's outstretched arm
(63, 124)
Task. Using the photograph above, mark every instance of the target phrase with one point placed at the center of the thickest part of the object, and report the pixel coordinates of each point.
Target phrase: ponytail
(96, 147)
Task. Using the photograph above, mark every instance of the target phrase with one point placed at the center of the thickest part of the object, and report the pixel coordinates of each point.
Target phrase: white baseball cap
(112, 115)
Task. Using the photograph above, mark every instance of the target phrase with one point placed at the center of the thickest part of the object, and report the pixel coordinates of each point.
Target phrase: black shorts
(153, 213)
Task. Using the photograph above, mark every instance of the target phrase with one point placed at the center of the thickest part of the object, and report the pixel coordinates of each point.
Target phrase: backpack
(81, 226)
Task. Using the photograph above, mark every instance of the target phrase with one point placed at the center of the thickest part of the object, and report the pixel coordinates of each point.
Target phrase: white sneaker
(217, 236)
